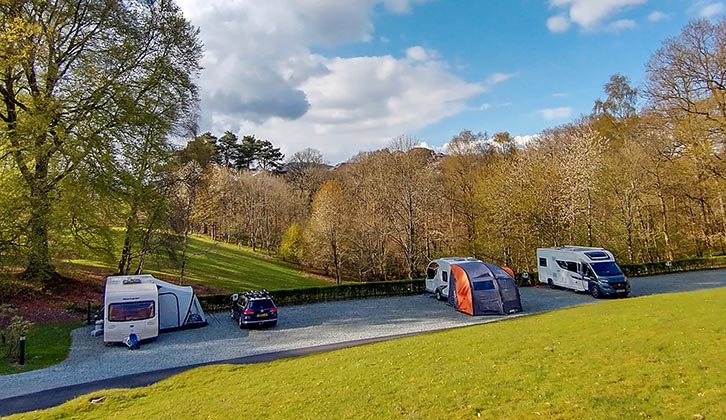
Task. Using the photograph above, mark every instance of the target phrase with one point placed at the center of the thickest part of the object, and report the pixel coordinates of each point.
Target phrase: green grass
(225, 266)
(658, 357)
(46, 345)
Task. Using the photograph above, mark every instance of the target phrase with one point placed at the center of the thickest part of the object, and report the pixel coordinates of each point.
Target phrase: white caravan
(437, 275)
(144, 305)
(582, 268)
(130, 307)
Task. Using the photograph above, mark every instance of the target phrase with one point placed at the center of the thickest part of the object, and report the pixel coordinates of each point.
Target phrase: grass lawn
(226, 267)
(660, 357)
(46, 345)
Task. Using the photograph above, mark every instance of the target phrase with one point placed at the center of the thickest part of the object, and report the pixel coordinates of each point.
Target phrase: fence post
(21, 350)
(88, 312)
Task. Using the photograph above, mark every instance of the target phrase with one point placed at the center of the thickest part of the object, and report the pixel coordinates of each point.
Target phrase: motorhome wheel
(595, 291)
(438, 295)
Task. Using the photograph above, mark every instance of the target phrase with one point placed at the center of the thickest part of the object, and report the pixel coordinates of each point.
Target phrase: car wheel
(439, 296)
(273, 323)
(551, 283)
(595, 291)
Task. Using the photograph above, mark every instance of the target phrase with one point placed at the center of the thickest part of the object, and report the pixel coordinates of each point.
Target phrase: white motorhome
(130, 307)
(582, 268)
(437, 275)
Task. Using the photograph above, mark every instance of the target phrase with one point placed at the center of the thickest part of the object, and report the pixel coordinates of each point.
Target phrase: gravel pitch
(300, 327)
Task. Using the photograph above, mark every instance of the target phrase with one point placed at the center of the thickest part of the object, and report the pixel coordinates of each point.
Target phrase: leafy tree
(202, 149)
(292, 244)
(227, 149)
(75, 76)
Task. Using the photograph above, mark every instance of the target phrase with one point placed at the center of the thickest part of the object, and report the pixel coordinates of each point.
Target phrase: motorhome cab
(437, 275)
(130, 306)
(582, 268)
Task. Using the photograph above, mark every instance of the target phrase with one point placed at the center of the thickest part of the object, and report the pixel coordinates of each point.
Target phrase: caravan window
(542, 262)
(431, 271)
(131, 311)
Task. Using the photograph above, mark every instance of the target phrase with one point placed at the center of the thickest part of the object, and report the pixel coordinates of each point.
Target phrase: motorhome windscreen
(606, 269)
(131, 311)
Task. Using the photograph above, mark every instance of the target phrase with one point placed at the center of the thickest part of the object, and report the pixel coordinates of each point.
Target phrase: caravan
(583, 269)
(473, 286)
(130, 307)
(145, 306)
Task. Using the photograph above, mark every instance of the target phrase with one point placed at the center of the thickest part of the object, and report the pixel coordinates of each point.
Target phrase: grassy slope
(48, 344)
(227, 267)
(651, 357)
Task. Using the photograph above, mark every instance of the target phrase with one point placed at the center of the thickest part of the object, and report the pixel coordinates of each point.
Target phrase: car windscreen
(260, 304)
(131, 311)
(606, 269)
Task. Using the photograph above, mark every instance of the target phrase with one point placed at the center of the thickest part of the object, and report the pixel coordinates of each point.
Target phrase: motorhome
(580, 268)
(130, 307)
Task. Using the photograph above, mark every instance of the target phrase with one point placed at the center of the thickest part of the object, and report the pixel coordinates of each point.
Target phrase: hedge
(691, 264)
(327, 293)
(414, 287)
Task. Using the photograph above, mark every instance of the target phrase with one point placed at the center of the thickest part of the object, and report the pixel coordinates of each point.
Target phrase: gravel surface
(300, 327)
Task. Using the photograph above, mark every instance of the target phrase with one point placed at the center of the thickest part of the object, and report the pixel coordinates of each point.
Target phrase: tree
(621, 97)
(227, 149)
(75, 75)
(202, 149)
(326, 235)
(306, 172)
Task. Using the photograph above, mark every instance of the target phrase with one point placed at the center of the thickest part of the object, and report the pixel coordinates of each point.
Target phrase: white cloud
(657, 16)
(558, 23)
(710, 10)
(621, 25)
(417, 53)
(261, 76)
(560, 94)
(497, 78)
(588, 14)
(555, 113)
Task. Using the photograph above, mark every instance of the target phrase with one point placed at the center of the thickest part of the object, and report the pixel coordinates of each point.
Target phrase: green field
(659, 357)
(48, 344)
(224, 266)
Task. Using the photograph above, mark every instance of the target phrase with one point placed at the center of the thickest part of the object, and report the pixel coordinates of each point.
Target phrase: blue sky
(348, 76)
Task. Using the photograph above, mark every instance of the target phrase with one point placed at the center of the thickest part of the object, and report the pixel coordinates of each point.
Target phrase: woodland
(97, 98)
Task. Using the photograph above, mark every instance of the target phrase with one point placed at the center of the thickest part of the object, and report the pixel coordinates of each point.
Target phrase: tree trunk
(39, 266)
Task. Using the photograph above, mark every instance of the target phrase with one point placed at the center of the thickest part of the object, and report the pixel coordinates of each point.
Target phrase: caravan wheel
(438, 295)
(551, 283)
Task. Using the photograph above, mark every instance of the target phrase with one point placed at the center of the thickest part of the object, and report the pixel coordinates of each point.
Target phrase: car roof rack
(257, 293)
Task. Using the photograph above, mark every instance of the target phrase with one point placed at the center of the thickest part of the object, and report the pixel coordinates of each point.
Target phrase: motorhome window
(431, 271)
(597, 255)
(445, 277)
(607, 268)
(131, 311)
(543, 262)
(484, 285)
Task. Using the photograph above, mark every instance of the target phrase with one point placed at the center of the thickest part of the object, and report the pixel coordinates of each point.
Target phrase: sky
(345, 76)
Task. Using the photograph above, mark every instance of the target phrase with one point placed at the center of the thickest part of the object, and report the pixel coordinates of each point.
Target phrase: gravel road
(301, 327)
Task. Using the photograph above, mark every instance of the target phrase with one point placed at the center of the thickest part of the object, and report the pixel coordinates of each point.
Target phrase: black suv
(255, 307)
